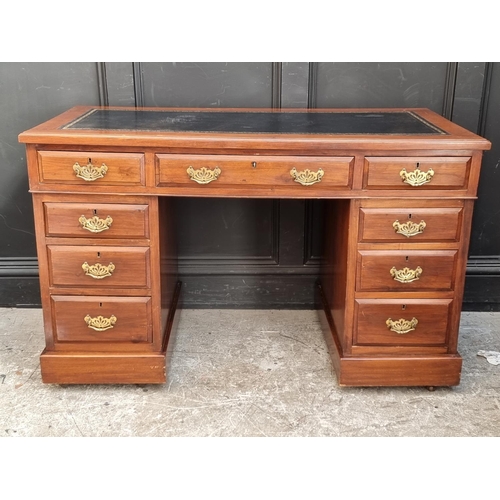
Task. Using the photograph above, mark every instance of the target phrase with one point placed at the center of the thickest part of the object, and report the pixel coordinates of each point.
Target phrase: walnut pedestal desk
(400, 186)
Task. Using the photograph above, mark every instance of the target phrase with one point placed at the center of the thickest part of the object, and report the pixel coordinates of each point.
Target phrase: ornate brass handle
(406, 275)
(402, 326)
(417, 177)
(409, 228)
(307, 177)
(90, 172)
(203, 175)
(98, 271)
(100, 323)
(94, 224)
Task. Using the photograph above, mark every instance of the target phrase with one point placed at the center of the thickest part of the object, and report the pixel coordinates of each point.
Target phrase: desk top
(256, 122)
(254, 128)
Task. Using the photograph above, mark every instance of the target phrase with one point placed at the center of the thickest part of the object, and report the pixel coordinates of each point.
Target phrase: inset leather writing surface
(397, 122)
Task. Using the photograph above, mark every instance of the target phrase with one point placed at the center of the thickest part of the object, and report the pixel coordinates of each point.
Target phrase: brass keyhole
(403, 307)
(254, 164)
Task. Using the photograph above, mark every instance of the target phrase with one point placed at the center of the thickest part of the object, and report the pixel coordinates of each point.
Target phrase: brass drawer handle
(203, 175)
(90, 172)
(402, 326)
(409, 228)
(100, 323)
(98, 271)
(406, 275)
(307, 177)
(94, 224)
(417, 177)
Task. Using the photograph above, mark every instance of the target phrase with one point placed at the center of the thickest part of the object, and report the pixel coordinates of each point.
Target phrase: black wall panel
(205, 84)
(226, 229)
(466, 96)
(485, 238)
(371, 85)
(31, 93)
(245, 253)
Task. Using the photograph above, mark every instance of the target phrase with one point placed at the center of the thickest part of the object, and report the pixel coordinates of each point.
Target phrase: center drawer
(225, 170)
(99, 266)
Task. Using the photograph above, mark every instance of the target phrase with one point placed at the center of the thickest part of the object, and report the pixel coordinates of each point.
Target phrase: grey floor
(245, 373)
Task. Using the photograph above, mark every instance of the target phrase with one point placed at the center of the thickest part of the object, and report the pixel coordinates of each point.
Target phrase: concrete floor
(245, 373)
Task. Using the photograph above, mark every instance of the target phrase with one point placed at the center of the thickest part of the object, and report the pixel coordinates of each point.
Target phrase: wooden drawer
(96, 220)
(99, 169)
(434, 173)
(101, 319)
(412, 224)
(406, 271)
(273, 171)
(417, 322)
(98, 266)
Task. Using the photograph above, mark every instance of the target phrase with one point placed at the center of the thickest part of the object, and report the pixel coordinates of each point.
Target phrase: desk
(400, 186)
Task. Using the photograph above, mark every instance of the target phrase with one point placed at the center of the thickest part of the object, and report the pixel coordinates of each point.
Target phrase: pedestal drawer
(406, 271)
(400, 322)
(101, 319)
(410, 224)
(96, 220)
(99, 266)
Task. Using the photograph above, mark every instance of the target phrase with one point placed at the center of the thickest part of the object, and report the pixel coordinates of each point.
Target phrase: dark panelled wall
(30, 93)
(245, 252)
